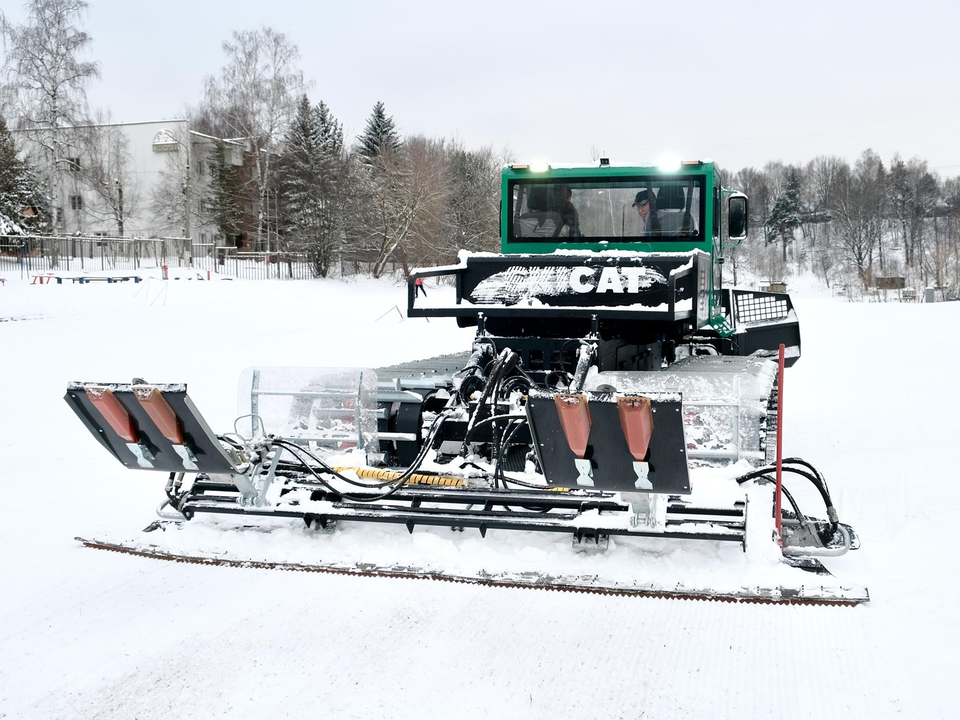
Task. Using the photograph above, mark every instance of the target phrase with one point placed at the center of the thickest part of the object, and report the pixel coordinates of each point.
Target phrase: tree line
(853, 223)
(384, 199)
(300, 185)
(381, 201)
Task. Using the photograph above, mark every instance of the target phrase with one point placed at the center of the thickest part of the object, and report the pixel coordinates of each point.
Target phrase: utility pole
(187, 195)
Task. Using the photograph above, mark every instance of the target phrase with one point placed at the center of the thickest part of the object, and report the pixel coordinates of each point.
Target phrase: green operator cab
(610, 208)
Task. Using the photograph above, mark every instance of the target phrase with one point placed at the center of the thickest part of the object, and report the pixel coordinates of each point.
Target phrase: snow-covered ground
(91, 634)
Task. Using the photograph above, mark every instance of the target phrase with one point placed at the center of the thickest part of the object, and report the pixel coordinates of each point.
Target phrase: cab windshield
(641, 209)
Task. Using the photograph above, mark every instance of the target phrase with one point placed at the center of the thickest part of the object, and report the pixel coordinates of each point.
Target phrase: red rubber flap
(574, 412)
(116, 415)
(159, 410)
(636, 421)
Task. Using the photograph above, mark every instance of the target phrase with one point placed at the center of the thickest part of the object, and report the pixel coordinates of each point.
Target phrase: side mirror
(737, 217)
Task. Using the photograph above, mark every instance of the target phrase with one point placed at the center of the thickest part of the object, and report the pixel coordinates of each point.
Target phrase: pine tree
(223, 195)
(329, 176)
(330, 132)
(312, 175)
(380, 135)
(900, 202)
(881, 206)
(297, 175)
(785, 215)
(19, 191)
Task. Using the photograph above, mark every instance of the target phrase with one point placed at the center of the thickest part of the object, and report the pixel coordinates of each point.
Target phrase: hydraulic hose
(482, 349)
(815, 478)
(505, 362)
(394, 484)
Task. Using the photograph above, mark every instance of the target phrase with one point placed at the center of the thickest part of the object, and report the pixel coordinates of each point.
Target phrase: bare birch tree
(857, 206)
(172, 201)
(45, 82)
(822, 175)
(475, 200)
(405, 197)
(106, 170)
(254, 98)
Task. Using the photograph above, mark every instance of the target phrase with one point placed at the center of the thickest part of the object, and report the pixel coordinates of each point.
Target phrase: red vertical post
(777, 502)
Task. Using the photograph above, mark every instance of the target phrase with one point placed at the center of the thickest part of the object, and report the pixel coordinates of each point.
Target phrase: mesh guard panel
(761, 307)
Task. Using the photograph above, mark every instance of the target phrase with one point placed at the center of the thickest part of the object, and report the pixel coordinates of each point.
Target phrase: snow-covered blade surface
(819, 589)
(96, 634)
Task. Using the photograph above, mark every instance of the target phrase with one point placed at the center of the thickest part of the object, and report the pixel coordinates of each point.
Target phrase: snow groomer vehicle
(615, 387)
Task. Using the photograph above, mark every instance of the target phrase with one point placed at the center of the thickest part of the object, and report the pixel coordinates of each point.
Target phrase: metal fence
(26, 255)
(41, 254)
(252, 265)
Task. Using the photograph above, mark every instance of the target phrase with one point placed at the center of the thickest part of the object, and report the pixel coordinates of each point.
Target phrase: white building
(153, 175)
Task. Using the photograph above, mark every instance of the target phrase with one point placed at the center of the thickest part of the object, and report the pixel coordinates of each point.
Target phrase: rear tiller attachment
(599, 460)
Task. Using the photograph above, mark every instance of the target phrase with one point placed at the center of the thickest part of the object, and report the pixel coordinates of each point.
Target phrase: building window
(76, 202)
(203, 206)
(73, 164)
(199, 167)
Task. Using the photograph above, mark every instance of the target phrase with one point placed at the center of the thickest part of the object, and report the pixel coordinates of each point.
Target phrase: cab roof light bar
(536, 167)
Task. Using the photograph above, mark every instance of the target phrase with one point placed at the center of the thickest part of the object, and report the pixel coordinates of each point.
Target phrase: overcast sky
(739, 82)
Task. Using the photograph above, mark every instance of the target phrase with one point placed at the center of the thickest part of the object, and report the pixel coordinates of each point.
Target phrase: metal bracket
(186, 454)
(724, 327)
(586, 472)
(247, 491)
(591, 544)
(642, 469)
(648, 510)
(264, 474)
(324, 528)
(144, 457)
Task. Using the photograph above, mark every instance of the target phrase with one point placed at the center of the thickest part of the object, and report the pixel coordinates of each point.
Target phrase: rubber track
(557, 586)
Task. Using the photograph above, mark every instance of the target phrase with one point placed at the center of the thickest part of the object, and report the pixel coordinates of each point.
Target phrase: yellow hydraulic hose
(415, 479)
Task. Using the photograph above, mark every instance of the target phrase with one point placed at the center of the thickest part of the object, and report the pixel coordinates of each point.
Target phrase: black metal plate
(607, 450)
(197, 434)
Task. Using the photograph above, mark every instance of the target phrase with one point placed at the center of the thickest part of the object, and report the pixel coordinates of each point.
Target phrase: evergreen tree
(785, 215)
(301, 144)
(19, 191)
(224, 193)
(900, 203)
(379, 136)
(881, 204)
(330, 132)
(313, 169)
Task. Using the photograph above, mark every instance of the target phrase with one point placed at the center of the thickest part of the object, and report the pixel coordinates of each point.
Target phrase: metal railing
(36, 254)
(43, 254)
(253, 265)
